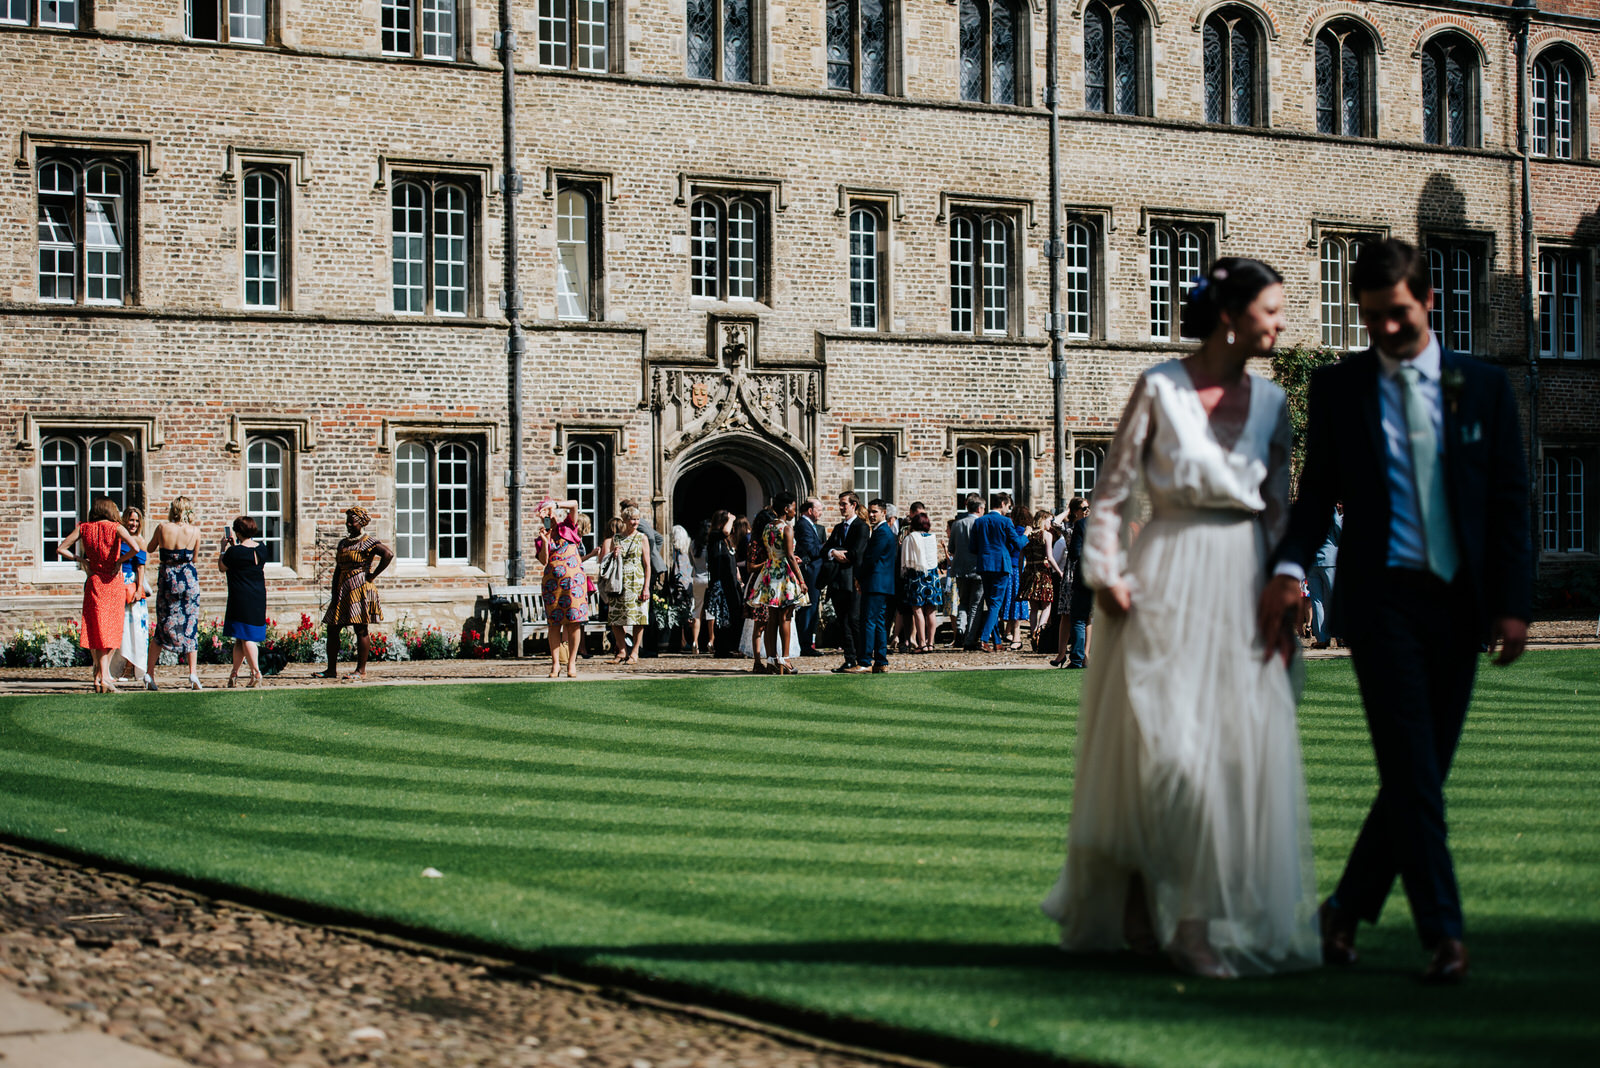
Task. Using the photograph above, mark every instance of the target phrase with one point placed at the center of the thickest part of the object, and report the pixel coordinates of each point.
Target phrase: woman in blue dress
(245, 621)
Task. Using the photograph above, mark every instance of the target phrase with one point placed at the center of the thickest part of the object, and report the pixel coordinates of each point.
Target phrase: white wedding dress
(1188, 762)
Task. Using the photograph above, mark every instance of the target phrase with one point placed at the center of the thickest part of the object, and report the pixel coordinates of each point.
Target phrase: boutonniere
(1451, 382)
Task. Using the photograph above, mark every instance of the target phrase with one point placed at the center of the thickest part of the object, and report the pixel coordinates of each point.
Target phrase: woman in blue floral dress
(177, 622)
(566, 587)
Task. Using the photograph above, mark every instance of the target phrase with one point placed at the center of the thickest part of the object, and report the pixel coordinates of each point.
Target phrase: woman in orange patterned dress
(355, 598)
(100, 544)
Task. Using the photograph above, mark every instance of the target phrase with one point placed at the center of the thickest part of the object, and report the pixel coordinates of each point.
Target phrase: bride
(1188, 831)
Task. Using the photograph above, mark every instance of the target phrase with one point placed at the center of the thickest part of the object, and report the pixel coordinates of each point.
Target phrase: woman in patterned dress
(1039, 573)
(566, 588)
(129, 661)
(919, 564)
(177, 591)
(631, 611)
(355, 597)
(778, 588)
(101, 541)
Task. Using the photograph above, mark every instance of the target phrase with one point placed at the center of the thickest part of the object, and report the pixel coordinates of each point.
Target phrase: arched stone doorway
(737, 470)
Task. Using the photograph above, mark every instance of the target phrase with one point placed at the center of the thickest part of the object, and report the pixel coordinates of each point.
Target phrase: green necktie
(1425, 469)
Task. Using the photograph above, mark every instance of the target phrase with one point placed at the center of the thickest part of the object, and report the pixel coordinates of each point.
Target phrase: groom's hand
(1511, 636)
(1280, 596)
(1115, 600)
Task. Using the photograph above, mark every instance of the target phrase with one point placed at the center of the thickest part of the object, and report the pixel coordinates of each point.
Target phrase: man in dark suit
(875, 586)
(964, 570)
(841, 554)
(1423, 447)
(994, 543)
(1080, 598)
(808, 546)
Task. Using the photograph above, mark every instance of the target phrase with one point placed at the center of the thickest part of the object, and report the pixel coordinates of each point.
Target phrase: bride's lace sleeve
(1104, 561)
(1275, 488)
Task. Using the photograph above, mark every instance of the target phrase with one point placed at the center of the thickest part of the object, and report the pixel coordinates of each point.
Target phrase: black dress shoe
(1338, 935)
(1449, 964)
(843, 668)
(810, 652)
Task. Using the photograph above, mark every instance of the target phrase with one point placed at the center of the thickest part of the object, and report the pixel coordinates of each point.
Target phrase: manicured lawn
(864, 847)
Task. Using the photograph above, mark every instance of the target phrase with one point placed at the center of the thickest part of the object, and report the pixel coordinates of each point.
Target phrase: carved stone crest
(699, 396)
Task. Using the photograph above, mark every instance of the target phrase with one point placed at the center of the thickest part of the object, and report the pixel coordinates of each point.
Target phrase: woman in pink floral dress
(778, 587)
(566, 588)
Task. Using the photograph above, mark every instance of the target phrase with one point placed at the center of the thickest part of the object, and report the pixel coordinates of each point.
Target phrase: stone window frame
(1096, 447)
(1344, 238)
(1565, 254)
(1479, 247)
(1432, 50)
(884, 205)
(463, 12)
(1025, 442)
(271, 16)
(1262, 31)
(1541, 64)
(293, 168)
(767, 196)
(433, 439)
(82, 15)
(1144, 18)
(82, 158)
(1021, 48)
(594, 188)
(137, 437)
(431, 179)
(759, 72)
(296, 437)
(616, 36)
(1018, 215)
(602, 443)
(893, 74)
(1368, 44)
(1098, 220)
(1566, 499)
(1211, 227)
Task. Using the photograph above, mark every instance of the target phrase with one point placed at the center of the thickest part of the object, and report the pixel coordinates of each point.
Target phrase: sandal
(325, 674)
(233, 680)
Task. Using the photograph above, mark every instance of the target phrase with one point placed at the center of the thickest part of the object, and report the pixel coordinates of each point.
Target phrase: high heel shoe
(255, 680)
(233, 680)
(194, 682)
(1059, 661)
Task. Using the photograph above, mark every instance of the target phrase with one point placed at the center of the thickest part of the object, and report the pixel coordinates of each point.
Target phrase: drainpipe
(511, 295)
(1055, 252)
(1530, 307)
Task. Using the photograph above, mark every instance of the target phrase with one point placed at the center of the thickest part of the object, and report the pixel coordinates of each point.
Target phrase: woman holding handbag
(779, 587)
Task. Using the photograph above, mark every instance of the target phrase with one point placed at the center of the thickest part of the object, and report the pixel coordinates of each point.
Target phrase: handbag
(611, 576)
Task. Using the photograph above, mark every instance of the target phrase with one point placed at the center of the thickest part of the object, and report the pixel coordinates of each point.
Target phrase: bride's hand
(1278, 599)
(1116, 599)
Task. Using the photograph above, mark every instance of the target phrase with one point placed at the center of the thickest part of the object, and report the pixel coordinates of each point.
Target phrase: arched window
(980, 273)
(1453, 272)
(994, 54)
(871, 472)
(1565, 504)
(58, 494)
(861, 45)
(1005, 472)
(1556, 93)
(720, 40)
(76, 467)
(1344, 80)
(1113, 58)
(263, 214)
(727, 247)
(990, 467)
(430, 247)
(1085, 469)
(1234, 68)
(108, 472)
(1177, 256)
(454, 504)
(969, 475)
(411, 502)
(866, 267)
(586, 484)
(436, 488)
(263, 492)
(83, 231)
(1450, 91)
(1341, 320)
(1561, 278)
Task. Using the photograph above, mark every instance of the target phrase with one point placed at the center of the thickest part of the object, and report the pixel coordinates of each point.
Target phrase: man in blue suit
(994, 543)
(875, 584)
(1424, 448)
(808, 546)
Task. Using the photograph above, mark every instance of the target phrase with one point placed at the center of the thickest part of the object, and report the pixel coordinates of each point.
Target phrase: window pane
(1332, 293)
(572, 255)
(410, 237)
(396, 29)
(107, 473)
(1003, 470)
(869, 472)
(841, 45)
(736, 48)
(874, 46)
(969, 475)
(1539, 108)
(1189, 262)
(583, 485)
(17, 11)
(1002, 55)
(1350, 89)
(58, 494)
(1355, 332)
(411, 502)
(1216, 74)
(1571, 307)
(1094, 58)
(453, 514)
(1327, 116)
(961, 268)
(1575, 488)
(996, 272)
(1551, 496)
(102, 235)
(61, 14)
(1561, 108)
(593, 42)
(1431, 126)
(704, 276)
(1077, 280)
(1160, 285)
(1126, 40)
(1085, 471)
(1455, 85)
(264, 493)
(1461, 302)
(971, 51)
(1242, 45)
(58, 263)
(260, 240)
(553, 44)
(450, 250)
(702, 38)
(247, 21)
(742, 251)
(439, 29)
(864, 269)
(1547, 305)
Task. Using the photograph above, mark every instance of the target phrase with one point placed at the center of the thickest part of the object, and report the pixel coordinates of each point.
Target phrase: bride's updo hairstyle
(1231, 285)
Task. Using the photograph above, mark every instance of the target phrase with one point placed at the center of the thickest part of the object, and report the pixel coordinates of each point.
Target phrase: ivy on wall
(1291, 369)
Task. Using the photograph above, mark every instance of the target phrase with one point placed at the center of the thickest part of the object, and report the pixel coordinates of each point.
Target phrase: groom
(1423, 447)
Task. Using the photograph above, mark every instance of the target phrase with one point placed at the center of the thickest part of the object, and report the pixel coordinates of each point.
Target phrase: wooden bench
(520, 610)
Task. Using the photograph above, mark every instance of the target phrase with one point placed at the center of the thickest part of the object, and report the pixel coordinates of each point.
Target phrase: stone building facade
(250, 250)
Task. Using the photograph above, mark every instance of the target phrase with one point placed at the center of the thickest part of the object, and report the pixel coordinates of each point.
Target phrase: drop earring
(1230, 337)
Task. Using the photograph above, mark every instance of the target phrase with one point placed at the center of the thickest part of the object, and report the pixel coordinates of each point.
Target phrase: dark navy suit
(875, 577)
(994, 542)
(1414, 639)
(808, 546)
(849, 537)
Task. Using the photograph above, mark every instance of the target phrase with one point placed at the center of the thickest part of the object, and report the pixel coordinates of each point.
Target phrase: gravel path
(216, 984)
